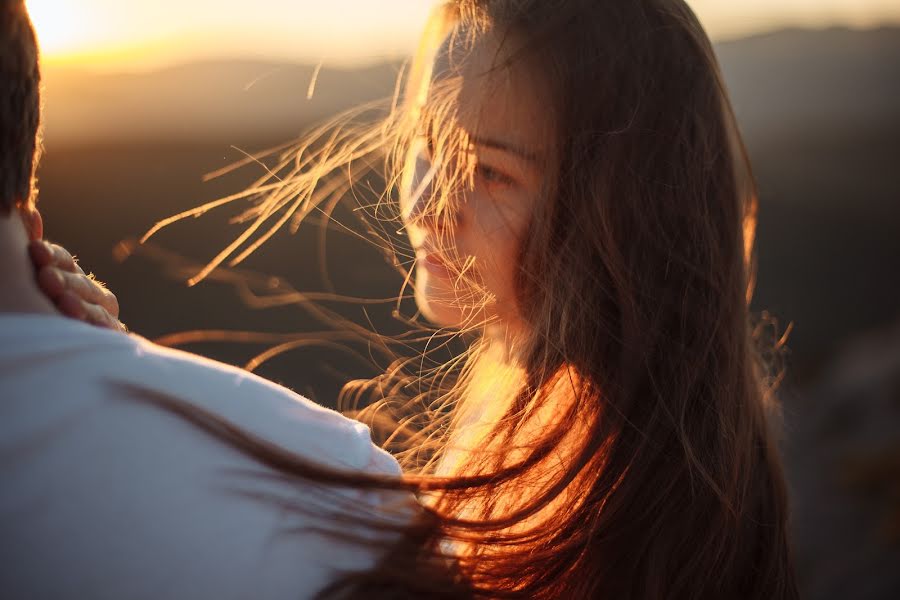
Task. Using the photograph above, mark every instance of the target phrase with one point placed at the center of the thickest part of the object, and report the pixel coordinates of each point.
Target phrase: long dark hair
(657, 474)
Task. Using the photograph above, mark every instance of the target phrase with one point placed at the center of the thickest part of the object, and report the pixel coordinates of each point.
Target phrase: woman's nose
(426, 211)
(420, 194)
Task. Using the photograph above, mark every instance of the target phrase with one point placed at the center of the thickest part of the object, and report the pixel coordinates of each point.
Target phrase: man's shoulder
(252, 402)
(77, 361)
(117, 497)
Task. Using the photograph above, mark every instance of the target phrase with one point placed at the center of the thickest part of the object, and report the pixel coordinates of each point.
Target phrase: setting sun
(113, 35)
(61, 27)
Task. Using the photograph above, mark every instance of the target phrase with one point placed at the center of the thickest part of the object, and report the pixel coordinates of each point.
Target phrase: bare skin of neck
(19, 292)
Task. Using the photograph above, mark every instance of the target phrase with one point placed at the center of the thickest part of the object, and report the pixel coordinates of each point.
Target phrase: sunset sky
(141, 34)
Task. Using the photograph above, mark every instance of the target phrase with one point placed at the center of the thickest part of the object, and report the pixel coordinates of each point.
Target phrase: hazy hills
(229, 101)
(784, 80)
(796, 79)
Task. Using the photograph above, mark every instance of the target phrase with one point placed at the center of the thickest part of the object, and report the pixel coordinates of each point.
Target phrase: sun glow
(61, 28)
(89, 33)
(134, 34)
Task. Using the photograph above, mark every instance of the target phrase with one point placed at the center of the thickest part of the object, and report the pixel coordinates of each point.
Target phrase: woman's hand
(74, 293)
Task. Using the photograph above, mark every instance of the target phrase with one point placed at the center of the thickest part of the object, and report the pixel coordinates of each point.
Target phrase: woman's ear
(34, 223)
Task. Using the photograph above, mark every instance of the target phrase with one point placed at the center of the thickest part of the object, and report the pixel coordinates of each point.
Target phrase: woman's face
(466, 264)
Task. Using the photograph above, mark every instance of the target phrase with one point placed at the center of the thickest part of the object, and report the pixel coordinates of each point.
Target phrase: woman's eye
(493, 176)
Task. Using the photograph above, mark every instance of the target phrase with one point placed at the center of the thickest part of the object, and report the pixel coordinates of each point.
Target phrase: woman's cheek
(498, 254)
(516, 219)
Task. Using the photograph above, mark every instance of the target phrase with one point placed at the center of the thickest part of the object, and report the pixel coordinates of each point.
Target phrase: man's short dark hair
(20, 106)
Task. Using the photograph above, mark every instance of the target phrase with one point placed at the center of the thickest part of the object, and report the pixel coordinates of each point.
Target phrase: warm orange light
(136, 34)
(81, 33)
(61, 27)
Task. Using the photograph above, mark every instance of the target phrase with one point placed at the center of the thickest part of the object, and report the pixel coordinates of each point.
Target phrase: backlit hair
(631, 452)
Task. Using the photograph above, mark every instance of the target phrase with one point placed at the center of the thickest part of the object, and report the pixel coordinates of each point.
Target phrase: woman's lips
(434, 264)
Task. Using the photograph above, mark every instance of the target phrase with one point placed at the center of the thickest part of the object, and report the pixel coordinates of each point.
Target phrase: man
(103, 493)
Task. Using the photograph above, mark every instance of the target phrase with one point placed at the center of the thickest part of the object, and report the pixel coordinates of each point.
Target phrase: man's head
(20, 108)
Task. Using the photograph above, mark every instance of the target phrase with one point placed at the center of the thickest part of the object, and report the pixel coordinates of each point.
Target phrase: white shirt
(106, 496)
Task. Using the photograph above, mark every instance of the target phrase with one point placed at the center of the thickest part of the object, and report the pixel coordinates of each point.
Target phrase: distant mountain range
(835, 79)
(779, 81)
(231, 101)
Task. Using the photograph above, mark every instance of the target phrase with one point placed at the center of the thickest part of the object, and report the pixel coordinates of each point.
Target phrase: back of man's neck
(19, 292)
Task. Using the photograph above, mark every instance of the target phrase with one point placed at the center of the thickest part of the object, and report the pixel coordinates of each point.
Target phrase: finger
(41, 254)
(90, 291)
(109, 300)
(96, 315)
(55, 283)
(63, 260)
(73, 306)
(51, 281)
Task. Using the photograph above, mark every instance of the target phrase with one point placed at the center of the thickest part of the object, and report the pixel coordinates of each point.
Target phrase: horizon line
(93, 62)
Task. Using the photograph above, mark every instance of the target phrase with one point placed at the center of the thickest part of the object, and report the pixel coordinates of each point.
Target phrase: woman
(576, 192)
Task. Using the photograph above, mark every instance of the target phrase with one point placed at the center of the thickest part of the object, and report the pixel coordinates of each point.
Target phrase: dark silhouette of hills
(794, 80)
(781, 81)
(232, 101)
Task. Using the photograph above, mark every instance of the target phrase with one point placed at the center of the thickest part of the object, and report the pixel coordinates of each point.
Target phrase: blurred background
(143, 98)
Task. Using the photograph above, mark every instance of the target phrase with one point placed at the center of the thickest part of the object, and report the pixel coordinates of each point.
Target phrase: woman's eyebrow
(506, 147)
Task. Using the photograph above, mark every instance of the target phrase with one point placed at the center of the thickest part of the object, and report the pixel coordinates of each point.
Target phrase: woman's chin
(437, 303)
(438, 312)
